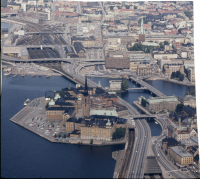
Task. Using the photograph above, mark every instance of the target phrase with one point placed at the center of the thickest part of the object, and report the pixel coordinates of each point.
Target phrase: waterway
(24, 154)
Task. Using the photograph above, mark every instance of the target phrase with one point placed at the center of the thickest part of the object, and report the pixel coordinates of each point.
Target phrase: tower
(85, 101)
(141, 33)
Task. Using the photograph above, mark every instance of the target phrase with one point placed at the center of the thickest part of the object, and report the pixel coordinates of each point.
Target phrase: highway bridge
(15, 59)
(142, 88)
(149, 87)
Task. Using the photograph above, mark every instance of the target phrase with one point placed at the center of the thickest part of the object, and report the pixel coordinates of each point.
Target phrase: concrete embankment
(172, 81)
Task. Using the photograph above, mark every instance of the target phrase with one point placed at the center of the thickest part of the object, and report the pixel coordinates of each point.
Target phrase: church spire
(86, 84)
(142, 31)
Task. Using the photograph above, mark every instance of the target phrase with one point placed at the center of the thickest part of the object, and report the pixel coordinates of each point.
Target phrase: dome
(108, 123)
(57, 96)
(79, 98)
(52, 102)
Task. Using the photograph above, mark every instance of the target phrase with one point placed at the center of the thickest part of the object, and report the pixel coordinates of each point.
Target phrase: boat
(26, 102)
(156, 122)
(7, 73)
(48, 76)
(33, 75)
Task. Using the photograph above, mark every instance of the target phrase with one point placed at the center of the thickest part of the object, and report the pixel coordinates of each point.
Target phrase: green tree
(91, 141)
(161, 45)
(127, 6)
(135, 7)
(173, 75)
(55, 135)
(188, 13)
(117, 21)
(143, 102)
(64, 136)
(111, 7)
(59, 135)
(124, 85)
(179, 107)
(62, 93)
(178, 73)
(193, 94)
(187, 93)
(166, 42)
(68, 134)
(119, 133)
(181, 77)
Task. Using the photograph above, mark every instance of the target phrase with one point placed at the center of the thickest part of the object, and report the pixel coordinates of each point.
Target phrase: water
(6, 25)
(25, 154)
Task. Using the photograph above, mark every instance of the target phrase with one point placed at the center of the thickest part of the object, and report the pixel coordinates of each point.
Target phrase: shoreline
(24, 121)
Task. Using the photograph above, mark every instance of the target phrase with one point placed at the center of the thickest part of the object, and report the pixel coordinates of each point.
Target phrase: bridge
(149, 87)
(142, 88)
(44, 32)
(15, 59)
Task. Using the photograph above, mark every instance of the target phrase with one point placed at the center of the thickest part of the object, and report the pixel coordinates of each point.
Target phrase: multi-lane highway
(139, 155)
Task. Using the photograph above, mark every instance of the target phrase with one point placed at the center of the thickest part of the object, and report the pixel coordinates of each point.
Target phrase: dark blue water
(25, 154)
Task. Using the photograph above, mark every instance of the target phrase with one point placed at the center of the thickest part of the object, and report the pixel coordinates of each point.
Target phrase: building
(187, 143)
(191, 74)
(180, 155)
(181, 133)
(188, 100)
(158, 104)
(168, 69)
(115, 84)
(144, 70)
(70, 124)
(23, 6)
(101, 127)
(117, 62)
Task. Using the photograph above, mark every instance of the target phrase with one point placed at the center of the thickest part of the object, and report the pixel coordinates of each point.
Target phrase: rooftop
(181, 151)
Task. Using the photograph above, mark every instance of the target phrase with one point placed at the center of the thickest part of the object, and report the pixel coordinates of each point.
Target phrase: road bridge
(16, 59)
(149, 87)
(44, 32)
(142, 88)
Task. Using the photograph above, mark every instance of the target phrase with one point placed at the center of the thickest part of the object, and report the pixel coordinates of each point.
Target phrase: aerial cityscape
(100, 89)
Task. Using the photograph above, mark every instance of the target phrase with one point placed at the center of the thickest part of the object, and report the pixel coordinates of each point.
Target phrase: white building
(115, 84)
(23, 6)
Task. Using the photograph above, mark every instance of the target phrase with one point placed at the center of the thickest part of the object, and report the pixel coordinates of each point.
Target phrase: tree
(181, 77)
(178, 73)
(91, 141)
(59, 135)
(111, 7)
(135, 7)
(64, 136)
(55, 135)
(117, 21)
(124, 85)
(193, 93)
(62, 93)
(166, 43)
(68, 134)
(143, 102)
(187, 93)
(179, 107)
(161, 45)
(119, 133)
(173, 75)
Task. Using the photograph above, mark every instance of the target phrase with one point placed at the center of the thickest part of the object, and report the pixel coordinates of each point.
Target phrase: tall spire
(142, 31)
(85, 83)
